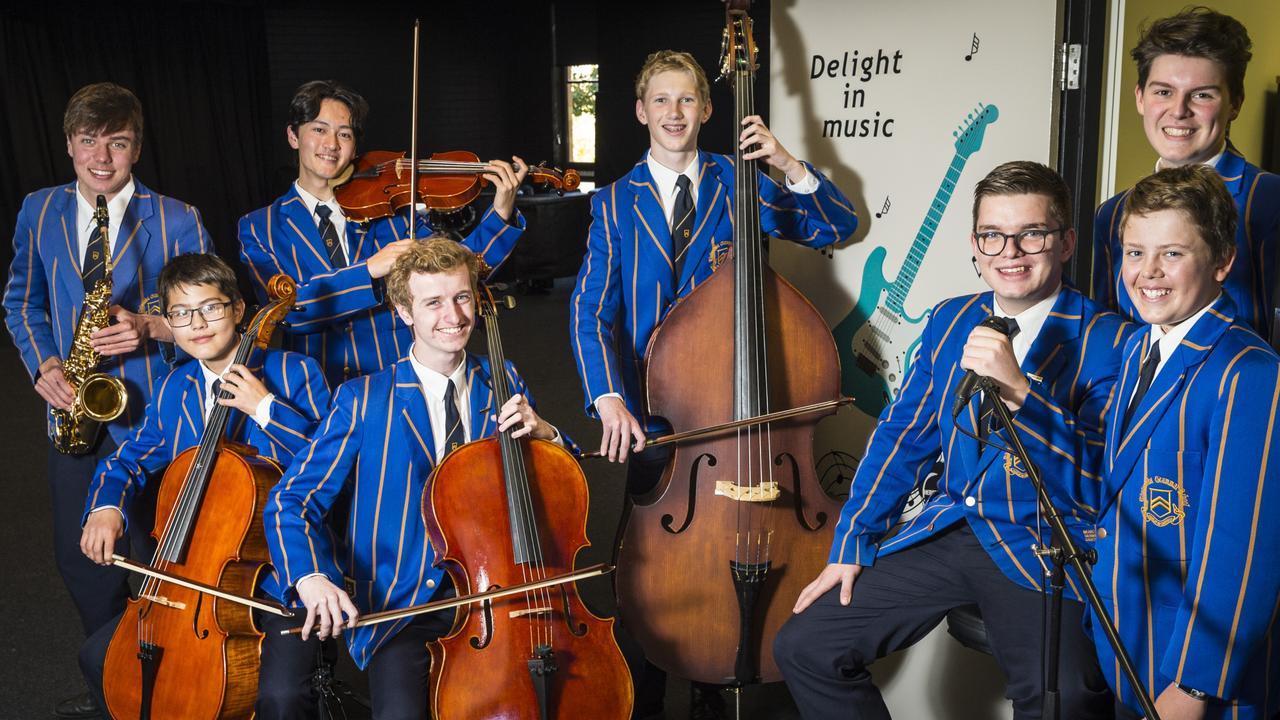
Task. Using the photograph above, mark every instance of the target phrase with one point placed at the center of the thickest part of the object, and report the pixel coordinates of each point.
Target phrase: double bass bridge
(766, 491)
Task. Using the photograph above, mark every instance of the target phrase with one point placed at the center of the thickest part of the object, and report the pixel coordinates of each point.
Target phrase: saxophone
(99, 397)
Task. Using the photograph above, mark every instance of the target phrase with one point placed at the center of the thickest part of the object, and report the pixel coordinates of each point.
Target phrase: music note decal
(973, 48)
(884, 210)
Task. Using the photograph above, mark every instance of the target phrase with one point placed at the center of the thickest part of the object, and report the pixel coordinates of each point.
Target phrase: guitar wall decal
(877, 339)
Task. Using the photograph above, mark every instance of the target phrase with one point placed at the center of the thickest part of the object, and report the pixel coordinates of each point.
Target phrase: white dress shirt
(433, 387)
(1030, 321)
(86, 226)
(261, 414)
(1169, 341)
(335, 216)
(665, 178)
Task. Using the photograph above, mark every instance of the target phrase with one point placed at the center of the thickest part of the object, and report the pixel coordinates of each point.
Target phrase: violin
(176, 654)
(743, 368)
(377, 184)
(502, 512)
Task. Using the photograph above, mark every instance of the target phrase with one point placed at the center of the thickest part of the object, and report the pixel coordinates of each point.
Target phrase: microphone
(969, 383)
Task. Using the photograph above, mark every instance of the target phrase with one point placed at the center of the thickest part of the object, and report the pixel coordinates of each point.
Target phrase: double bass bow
(501, 512)
(712, 559)
(180, 650)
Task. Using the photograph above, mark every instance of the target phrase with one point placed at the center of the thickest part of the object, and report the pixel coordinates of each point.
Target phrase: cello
(711, 560)
(501, 512)
(179, 652)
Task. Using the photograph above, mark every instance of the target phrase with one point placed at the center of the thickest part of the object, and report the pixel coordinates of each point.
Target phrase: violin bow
(413, 140)
(381, 617)
(736, 424)
(264, 605)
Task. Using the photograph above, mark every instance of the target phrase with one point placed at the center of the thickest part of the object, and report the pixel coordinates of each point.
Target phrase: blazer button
(431, 584)
(929, 527)
(970, 501)
(1102, 533)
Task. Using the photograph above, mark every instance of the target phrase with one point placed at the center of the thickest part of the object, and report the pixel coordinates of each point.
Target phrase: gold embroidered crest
(151, 305)
(1163, 501)
(719, 253)
(1013, 466)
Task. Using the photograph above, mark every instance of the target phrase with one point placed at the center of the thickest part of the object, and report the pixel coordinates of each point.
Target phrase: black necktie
(682, 212)
(329, 234)
(94, 267)
(1145, 376)
(454, 435)
(987, 410)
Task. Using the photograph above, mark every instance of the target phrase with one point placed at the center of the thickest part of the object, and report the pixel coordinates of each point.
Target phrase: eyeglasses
(1030, 242)
(209, 311)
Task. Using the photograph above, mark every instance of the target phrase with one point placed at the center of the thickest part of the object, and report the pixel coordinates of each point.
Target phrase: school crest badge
(719, 253)
(1164, 501)
(1013, 466)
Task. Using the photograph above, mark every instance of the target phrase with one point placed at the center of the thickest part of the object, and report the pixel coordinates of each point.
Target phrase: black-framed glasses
(209, 311)
(1030, 242)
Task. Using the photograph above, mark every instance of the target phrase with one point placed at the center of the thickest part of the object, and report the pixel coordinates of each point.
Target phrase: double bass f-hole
(820, 516)
(668, 519)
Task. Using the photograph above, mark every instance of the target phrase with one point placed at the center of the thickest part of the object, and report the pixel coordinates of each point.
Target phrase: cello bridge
(766, 491)
(162, 600)
(529, 611)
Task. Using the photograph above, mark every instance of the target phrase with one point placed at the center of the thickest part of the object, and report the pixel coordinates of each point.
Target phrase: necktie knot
(683, 183)
(1013, 327)
(323, 211)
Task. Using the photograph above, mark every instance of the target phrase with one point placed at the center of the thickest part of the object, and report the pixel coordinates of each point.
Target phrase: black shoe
(706, 703)
(77, 706)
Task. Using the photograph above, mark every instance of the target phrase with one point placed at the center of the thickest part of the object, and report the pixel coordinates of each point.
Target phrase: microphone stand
(1063, 550)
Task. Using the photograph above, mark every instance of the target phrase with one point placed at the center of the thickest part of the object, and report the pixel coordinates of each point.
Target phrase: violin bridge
(766, 491)
(529, 611)
(162, 600)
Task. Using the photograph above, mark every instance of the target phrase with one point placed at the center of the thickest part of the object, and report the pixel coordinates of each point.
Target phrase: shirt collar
(115, 206)
(1169, 341)
(1032, 319)
(311, 201)
(665, 178)
(1211, 162)
(435, 384)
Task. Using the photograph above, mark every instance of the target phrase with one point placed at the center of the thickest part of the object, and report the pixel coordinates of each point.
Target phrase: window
(583, 82)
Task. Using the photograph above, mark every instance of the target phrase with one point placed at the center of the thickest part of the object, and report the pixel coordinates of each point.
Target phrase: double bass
(711, 560)
(501, 512)
(180, 652)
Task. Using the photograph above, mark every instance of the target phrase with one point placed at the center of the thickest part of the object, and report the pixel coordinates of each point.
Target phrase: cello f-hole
(195, 619)
(668, 519)
(480, 643)
(821, 517)
(577, 629)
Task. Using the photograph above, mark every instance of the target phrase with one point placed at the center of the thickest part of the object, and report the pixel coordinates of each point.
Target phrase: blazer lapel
(63, 234)
(411, 417)
(191, 426)
(131, 243)
(301, 225)
(713, 200)
(653, 235)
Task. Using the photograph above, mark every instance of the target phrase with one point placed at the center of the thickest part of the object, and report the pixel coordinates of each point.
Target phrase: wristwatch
(1194, 693)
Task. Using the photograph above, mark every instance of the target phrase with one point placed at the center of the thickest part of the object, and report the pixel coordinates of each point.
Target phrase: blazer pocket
(1163, 509)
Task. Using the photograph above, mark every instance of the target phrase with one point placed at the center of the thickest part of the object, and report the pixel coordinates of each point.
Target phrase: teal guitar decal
(877, 339)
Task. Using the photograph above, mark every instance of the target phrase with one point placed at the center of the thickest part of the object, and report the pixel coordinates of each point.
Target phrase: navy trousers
(824, 652)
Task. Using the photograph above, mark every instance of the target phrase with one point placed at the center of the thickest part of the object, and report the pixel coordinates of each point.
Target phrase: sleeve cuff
(262, 414)
(808, 185)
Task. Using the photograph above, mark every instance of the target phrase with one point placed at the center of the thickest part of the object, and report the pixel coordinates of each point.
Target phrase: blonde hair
(668, 60)
(436, 254)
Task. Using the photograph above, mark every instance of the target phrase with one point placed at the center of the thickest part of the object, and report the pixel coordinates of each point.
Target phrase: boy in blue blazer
(277, 400)
(342, 319)
(55, 245)
(971, 543)
(383, 435)
(656, 234)
(1191, 69)
(1192, 467)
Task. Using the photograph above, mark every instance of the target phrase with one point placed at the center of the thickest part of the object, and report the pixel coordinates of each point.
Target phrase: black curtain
(200, 70)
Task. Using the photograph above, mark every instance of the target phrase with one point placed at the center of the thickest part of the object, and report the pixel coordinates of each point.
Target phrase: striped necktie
(682, 217)
(329, 234)
(454, 435)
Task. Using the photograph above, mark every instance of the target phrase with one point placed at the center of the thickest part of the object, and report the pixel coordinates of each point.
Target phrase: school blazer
(377, 448)
(1253, 275)
(341, 317)
(174, 422)
(1187, 535)
(626, 285)
(44, 294)
(1072, 367)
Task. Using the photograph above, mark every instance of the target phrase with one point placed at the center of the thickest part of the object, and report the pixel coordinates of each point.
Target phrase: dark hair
(1198, 191)
(1202, 33)
(103, 107)
(1023, 177)
(197, 269)
(305, 105)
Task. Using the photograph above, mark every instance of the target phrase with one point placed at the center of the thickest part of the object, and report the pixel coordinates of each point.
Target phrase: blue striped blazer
(174, 422)
(627, 283)
(1186, 554)
(341, 317)
(1253, 275)
(44, 294)
(377, 447)
(1072, 367)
